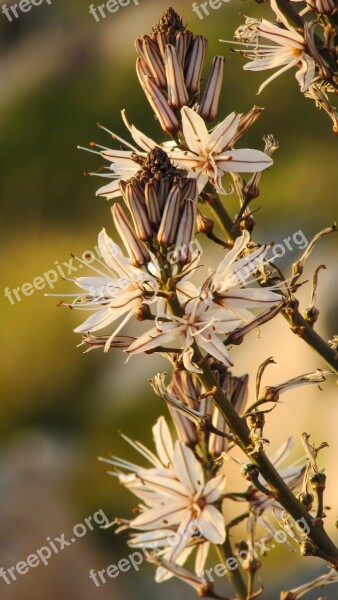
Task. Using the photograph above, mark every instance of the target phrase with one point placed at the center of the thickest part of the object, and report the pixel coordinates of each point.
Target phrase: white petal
(223, 134)
(163, 441)
(306, 73)
(214, 489)
(214, 346)
(155, 337)
(188, 468)
(244, 161)
(162, 516)
(211, 524)
(201, 557)
(195, 132)
(140, 138)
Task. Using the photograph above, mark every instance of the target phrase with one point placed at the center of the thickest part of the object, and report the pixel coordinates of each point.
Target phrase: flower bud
(177, 93)
(140, 218)
(195, 64)
(138, 253)
(169, 222)
(185, 233)
(152, 204)
(160, 106)
(154, 61)
(142, 70)
(323, 7)
(209, 103)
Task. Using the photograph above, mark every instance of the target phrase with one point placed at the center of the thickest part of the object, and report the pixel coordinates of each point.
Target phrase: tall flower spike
(180, 506)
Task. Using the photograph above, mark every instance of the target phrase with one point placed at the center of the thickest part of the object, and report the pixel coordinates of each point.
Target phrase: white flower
(232, 274)
(199, 323)
(178, 502)
(113, 294)
(288, 50)
(210, 154)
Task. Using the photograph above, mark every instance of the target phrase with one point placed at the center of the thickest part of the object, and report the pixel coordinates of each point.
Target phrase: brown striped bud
(154, 61)
(194, 64)
(160, 106)
(142, 70)
(139, 215)
(138, 253)
(182, 43)
(177, 93)
(185, 233)
(246, 121)
(152, 204)
(323, 7)
(167, 231)
(209, 104)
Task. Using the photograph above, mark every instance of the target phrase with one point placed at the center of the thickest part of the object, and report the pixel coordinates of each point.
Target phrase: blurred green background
(61, 73)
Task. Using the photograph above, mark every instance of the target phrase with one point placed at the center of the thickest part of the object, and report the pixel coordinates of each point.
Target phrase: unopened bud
(318, 481)
(138, 253)
(167, 232)
(185, 232)
(195, 64)
(152, 204)
(306, 500)
(311, 314)
(153, 59)
(159, 104)
(142, 226)
(209, 104)
(323, 7)
(142, 313)
(142, 70)
(177, 93)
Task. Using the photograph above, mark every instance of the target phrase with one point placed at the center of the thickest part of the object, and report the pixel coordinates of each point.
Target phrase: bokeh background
(60, 73)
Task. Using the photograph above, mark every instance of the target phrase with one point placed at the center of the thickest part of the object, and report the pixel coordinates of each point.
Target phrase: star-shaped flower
(180, 506)
(210, 154)
(288, 49)
(201, 323)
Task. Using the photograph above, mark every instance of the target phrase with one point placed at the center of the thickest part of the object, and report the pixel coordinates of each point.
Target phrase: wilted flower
(180, 505)
(288, 50)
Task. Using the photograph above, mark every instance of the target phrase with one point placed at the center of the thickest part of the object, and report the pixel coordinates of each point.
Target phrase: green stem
(302, 328)
(234, 575)
(326, 548)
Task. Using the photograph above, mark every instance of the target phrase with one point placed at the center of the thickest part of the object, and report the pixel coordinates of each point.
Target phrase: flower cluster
(295, 42)
(191, 313)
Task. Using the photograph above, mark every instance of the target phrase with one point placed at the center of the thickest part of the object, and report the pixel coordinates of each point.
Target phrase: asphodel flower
(180, 506)
(201, 323)
(230, 283)
(288, 50)
(210, 154)
(117, 290)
